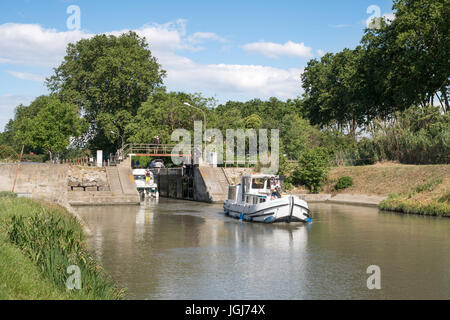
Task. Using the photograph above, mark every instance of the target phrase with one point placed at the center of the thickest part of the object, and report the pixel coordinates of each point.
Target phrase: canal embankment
(39, 241)
(414, 189)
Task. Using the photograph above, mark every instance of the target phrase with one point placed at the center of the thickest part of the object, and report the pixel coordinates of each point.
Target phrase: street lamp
(204, 120)
(118, 135)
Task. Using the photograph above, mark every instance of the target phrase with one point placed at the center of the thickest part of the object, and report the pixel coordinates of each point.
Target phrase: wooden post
(17, 170)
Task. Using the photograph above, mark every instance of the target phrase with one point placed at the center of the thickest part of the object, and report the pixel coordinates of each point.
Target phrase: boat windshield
(258, 183)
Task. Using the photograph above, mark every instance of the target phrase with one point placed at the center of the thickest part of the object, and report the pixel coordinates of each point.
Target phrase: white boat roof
(260, 176)
(140, 172)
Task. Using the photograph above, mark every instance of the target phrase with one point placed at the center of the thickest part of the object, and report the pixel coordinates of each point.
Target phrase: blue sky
(231, 50)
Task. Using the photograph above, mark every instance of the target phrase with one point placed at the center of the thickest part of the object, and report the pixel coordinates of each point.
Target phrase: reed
(408, 206)
(53, 240)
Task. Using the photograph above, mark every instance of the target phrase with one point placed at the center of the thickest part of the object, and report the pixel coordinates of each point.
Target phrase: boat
(259, 198)
(145, 183)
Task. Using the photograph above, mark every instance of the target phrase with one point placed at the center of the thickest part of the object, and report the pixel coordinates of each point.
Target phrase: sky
(229, 50)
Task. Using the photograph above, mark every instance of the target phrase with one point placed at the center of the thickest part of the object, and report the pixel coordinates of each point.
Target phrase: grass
(384, 178)
(421, 200)
(38, 241)
(415, 189)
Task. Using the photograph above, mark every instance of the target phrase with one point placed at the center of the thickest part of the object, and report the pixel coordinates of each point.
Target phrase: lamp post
(119, 136)
(204, 120)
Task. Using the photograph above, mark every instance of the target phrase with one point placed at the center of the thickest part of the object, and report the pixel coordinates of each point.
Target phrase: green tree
(109, 77)
(253, 122)
(312, 170)
(165, 112)
(49, 124)
(297, 135)
(408, 60)
(333, 92)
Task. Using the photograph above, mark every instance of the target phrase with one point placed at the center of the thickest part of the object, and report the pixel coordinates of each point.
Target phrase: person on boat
(147, 177)
(275, 189)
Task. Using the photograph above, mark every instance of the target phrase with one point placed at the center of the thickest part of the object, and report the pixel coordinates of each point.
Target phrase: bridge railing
(146, 148)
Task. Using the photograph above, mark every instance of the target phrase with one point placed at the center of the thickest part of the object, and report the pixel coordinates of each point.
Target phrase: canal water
(172, 249)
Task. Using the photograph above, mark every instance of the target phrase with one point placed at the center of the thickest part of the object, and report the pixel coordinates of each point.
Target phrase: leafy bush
(312, 170)
(7, 153)
(366, 151)
(418, 136)
(343, 183)
(34, 157)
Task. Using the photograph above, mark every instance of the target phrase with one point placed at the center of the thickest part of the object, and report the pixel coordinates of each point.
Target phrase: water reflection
(185, 250)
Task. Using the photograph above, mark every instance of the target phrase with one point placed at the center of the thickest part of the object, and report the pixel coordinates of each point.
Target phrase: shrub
(417, 136)
(343, 183)
(33, 157)
(366, 152)
(7, 153)
(312, 170)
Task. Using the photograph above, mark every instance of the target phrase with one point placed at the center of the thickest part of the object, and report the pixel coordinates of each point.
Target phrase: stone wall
(87, 179)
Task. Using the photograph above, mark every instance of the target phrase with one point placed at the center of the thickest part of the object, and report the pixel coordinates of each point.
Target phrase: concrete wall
(200, 189)
(234, 174)
(51, 182)
(45, 181)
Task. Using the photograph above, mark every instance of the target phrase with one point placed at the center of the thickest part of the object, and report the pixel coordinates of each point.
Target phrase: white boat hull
(286, 209)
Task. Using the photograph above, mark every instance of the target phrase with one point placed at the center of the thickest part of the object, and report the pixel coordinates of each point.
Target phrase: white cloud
(8, 103)
(320, 52)
(275, 50)
(27, 76)
(33, 45)
(242, 80)
(199, 37)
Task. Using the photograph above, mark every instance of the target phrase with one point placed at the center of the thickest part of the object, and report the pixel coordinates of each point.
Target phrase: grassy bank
(421, 200)
(388, 178)
(414, 189)
(410, 189)
(38, 241)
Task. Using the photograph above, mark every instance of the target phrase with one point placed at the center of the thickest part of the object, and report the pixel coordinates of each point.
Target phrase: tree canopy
(402, 63)
(109, 77)
(48, 123)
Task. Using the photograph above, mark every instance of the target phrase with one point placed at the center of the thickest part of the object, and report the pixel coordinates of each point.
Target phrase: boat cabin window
(261, 200)
(258, 183)
(139, 177)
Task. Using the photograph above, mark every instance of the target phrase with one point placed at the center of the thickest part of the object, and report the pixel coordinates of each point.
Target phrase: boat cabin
(255, 189)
